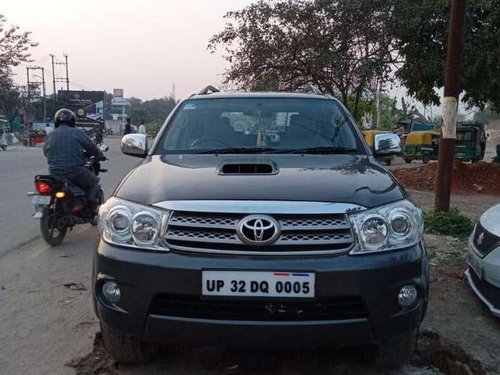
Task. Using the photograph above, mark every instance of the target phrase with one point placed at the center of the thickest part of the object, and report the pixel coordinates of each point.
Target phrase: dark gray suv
(264, 220)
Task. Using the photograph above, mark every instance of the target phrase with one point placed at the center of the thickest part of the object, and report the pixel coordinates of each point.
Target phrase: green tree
(10, 96)
(137, 111)
(14, 50)
(152, 112)
(342, 47)
(14, 45)
(421, 29)
(159, 109)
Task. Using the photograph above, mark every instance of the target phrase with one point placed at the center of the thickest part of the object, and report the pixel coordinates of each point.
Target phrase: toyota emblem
(258, 230)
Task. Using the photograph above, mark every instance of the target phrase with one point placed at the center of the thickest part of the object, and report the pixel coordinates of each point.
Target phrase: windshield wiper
(238, 150)
(321, 150)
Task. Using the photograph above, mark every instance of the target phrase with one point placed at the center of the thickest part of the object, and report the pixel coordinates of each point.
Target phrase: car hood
(322, 178)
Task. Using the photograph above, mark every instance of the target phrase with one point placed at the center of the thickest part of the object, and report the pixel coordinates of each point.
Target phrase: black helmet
(64, 116)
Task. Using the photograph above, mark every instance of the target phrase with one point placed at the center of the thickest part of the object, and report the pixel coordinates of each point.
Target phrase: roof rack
(208, 90)
(310, 88)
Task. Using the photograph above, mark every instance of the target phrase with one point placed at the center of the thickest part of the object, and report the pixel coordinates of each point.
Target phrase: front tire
(127, 349)
(51, 233)
(398, 350)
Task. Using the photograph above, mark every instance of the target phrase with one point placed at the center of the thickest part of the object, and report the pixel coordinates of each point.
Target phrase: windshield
(259, 125)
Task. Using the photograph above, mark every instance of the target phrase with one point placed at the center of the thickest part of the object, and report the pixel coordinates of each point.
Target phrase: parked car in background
(483, 259)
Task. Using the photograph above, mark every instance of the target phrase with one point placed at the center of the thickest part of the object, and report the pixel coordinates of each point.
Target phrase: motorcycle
(60, 205)
(97, 136)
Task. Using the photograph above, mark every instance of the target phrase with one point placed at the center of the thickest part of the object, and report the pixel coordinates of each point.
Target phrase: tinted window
(268, 124)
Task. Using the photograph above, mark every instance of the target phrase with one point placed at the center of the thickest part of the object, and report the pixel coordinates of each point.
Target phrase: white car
(483, 259)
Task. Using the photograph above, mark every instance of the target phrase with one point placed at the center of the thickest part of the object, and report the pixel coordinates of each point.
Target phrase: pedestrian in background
(128, 127)
(142, 128)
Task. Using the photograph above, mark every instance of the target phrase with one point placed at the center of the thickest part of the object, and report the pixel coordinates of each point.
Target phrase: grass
(451, 223)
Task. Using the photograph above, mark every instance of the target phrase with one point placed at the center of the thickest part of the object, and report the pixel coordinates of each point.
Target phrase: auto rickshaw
(471, 142)
(422, 145)
(370, 137)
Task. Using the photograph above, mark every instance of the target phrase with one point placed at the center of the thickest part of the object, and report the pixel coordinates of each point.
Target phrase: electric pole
(33, 85)
(450, 105)
(44, 96)
(54, 76)
(379, 88)
(67, 75)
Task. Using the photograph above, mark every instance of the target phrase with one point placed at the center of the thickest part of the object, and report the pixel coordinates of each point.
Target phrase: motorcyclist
(66, 149)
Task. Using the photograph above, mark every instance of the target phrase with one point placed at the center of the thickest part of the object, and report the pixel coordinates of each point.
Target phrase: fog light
(111, 291)
(407, 295)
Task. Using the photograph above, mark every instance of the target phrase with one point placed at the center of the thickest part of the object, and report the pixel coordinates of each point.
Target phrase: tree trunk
(356, 102)
(344, 99)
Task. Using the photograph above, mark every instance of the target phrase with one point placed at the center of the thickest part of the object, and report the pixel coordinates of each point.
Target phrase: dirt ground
(458, 336)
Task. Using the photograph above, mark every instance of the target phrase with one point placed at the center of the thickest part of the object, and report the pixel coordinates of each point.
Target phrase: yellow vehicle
(370, 137)
(422, 145)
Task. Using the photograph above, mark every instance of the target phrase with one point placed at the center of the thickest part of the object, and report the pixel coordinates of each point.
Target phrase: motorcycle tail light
(43, 187)
(77, 208)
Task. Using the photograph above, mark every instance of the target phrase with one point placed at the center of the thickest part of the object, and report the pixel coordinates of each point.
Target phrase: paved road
(18, 166)
(46, 315)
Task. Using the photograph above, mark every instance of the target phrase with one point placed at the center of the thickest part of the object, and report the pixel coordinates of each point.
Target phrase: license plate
(258, 284)
(41, 199)
(475, 265)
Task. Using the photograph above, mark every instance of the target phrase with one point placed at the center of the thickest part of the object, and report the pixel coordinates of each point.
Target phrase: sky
(141, 46)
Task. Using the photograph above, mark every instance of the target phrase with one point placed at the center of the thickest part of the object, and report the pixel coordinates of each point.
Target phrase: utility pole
(67, 75)
(54, 77)
(450, 105)
(379, 87)
(33, 85)
(44, 96)
(28, 83)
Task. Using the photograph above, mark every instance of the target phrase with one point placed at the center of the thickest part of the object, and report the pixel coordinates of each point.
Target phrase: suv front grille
(195, 231)
(348, 307)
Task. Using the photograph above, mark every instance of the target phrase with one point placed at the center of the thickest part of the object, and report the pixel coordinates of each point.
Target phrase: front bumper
(483, 275)
(370, 282)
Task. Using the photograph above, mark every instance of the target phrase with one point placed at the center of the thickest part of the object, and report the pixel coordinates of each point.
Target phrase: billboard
(118, 93)
(87, 105)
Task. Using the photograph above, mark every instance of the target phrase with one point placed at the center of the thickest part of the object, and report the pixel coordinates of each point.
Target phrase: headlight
(393, 226)
(133, 225)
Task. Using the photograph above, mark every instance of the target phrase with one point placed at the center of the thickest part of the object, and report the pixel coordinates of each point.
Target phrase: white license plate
(258, 284)
(41, 199)
(475, 265)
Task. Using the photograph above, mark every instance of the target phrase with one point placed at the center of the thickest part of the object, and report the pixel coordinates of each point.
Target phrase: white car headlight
(390, 227)
(131, 224)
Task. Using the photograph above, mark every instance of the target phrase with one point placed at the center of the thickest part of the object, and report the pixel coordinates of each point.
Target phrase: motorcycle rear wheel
(51, 234)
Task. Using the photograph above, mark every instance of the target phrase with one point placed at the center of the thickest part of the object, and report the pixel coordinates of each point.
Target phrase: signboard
(87, 105)
(118, 93)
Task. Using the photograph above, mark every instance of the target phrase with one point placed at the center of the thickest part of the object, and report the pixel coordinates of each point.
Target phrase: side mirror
(387, 144)
(135, 145)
